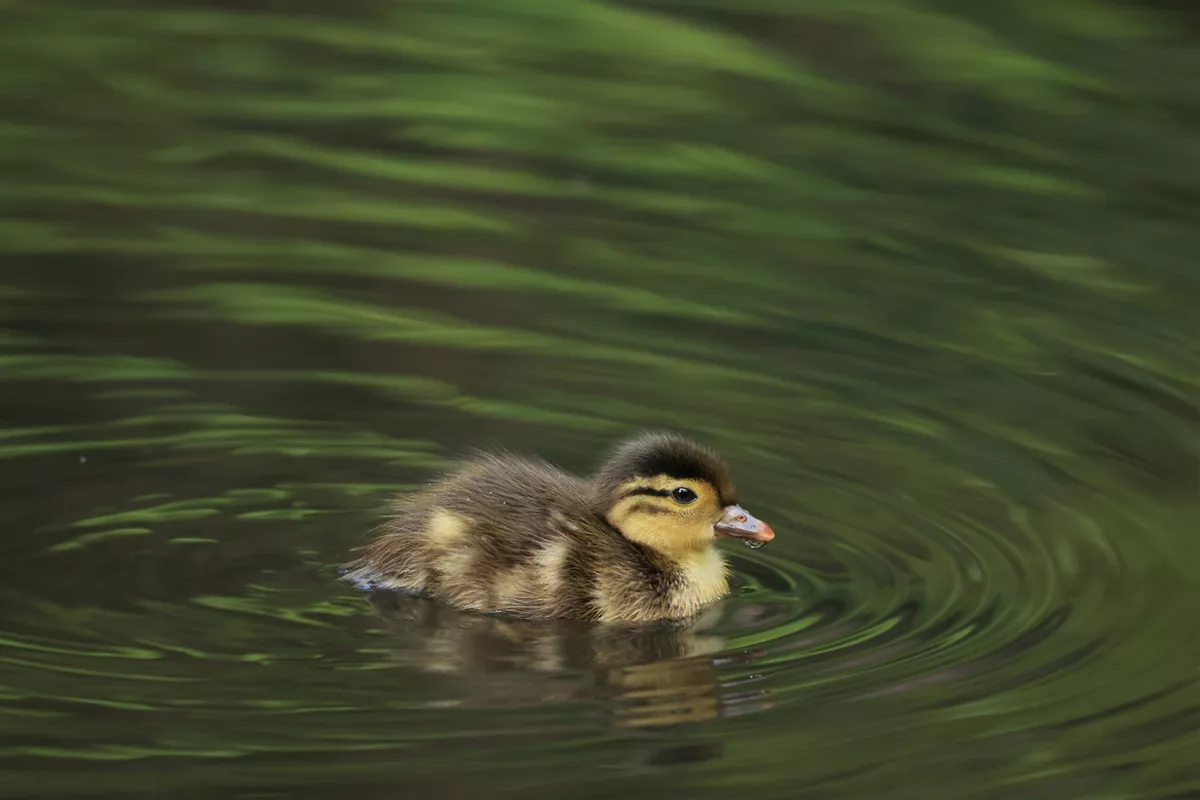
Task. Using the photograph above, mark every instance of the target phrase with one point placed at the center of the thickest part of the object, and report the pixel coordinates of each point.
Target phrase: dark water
(928, 277)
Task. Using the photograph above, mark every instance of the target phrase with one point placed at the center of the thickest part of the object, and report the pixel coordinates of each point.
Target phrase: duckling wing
(500, 534)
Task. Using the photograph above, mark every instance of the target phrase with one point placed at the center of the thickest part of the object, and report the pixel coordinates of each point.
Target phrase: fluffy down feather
(502, 533)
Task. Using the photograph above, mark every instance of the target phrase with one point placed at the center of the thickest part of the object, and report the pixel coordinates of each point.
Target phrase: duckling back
(500, 534)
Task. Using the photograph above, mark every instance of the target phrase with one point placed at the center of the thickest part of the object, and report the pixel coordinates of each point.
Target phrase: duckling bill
(633, 543)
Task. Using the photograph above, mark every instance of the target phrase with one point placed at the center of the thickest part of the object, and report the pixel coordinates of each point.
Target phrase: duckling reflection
(649, 677)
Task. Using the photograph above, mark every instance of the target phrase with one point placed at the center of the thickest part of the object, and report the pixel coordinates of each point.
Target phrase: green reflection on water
(925, 274)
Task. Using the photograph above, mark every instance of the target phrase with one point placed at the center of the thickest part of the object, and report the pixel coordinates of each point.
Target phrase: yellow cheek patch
(672, 532)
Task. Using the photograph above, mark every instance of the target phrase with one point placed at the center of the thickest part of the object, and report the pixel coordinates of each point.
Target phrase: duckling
(634, 543)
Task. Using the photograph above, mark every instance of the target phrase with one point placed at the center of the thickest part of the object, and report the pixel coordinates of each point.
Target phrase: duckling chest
(703, 578)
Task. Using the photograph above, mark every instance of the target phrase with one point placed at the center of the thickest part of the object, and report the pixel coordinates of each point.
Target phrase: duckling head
(673, 495)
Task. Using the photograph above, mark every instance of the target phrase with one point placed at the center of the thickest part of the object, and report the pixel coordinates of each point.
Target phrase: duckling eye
(684, 495)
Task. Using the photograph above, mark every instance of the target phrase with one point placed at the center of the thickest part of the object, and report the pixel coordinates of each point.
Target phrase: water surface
(927, 278)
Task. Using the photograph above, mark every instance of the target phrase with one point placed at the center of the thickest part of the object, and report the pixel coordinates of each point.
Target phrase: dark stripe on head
(655, 454)
(648, 508)
(648, 491)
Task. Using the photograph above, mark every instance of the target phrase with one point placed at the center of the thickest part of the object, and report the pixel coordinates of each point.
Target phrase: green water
(924, 272)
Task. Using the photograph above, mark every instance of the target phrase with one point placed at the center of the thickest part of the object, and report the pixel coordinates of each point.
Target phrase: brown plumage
(635, 543)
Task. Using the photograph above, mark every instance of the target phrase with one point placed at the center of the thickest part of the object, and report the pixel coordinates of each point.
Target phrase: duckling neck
(704, 578)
